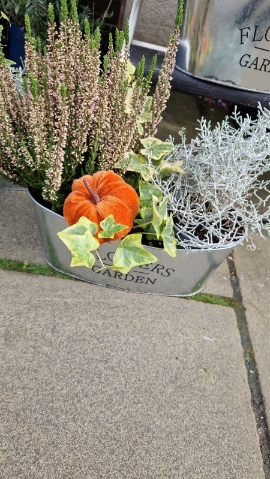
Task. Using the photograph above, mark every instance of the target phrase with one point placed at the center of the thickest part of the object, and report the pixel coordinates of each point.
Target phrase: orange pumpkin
(99, 196)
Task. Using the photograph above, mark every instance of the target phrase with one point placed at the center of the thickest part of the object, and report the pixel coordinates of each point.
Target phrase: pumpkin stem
(95, 197)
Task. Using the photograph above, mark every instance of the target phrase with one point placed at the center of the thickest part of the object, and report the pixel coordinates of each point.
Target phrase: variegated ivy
(81, 242)
(153, 217)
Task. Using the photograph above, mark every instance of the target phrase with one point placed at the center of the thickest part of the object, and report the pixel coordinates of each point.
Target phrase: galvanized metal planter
(184, 275)
(227, 42)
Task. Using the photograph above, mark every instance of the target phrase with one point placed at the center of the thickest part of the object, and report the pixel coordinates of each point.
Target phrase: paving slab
(99, 383)
(19, 232)
(6, 185)
(253, 270)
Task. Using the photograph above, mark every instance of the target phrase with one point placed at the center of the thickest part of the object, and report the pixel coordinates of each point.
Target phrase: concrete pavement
(99, 383)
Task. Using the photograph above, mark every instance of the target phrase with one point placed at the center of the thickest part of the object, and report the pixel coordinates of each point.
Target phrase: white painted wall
(156, 20)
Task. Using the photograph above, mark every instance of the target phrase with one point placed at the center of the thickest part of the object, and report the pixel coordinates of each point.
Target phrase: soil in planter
(152, 243)
(226, 225)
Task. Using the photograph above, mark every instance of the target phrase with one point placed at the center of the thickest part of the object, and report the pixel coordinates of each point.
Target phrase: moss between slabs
(215, 299)
(24, 267)
(43, 270)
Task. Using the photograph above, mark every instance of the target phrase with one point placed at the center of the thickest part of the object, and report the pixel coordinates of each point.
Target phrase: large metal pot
(184, 275)
(227, 42)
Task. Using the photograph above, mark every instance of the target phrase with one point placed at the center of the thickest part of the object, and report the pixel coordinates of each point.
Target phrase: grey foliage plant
(222, 192)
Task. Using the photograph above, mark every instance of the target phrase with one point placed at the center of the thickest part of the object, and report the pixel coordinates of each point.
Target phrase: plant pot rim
(201, 245)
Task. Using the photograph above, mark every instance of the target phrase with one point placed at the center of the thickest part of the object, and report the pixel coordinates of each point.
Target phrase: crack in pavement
(257, 399)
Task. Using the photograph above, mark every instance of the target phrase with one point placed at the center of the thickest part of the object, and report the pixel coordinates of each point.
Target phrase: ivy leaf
(128, 100)
(147, 190)
(131, 253)
(145, 222)
(145, 115)
(137, 163)
(160, 207)
(124, 162)
(146, 213)
(147, 226)
(84, 224)
(160, 214)
(130, 71)
(133, 161)
(140, 128)
(156, 148)
(80, 241)
(169, 167)
(110, 227)
(168, 237)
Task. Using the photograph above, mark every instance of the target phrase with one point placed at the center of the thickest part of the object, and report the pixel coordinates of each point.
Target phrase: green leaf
(128, 100)
(169, 167)
(124, 162)
(160, 207)
(130, 71)
(146, 213)
(160, 214)
(80, 241)
(84, 224)
(151, 237)
(168, 237)
(3, 15)
(110, 227)
(135, 162)
(10, 62)
(147, 226)
(140, 128)
(131, 253)
(145, 115)
(156, 148)
(80, 247)
(146, 219)
(147, 190)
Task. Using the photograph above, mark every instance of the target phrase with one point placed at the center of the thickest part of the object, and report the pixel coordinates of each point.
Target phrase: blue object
(16, 44)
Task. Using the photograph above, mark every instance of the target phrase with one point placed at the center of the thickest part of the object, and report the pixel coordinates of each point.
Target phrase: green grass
(24, 267)
(43, 270)
(215, 299)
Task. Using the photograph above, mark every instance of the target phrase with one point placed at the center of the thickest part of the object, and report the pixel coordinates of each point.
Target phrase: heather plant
(74, 113)
(221, 192)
